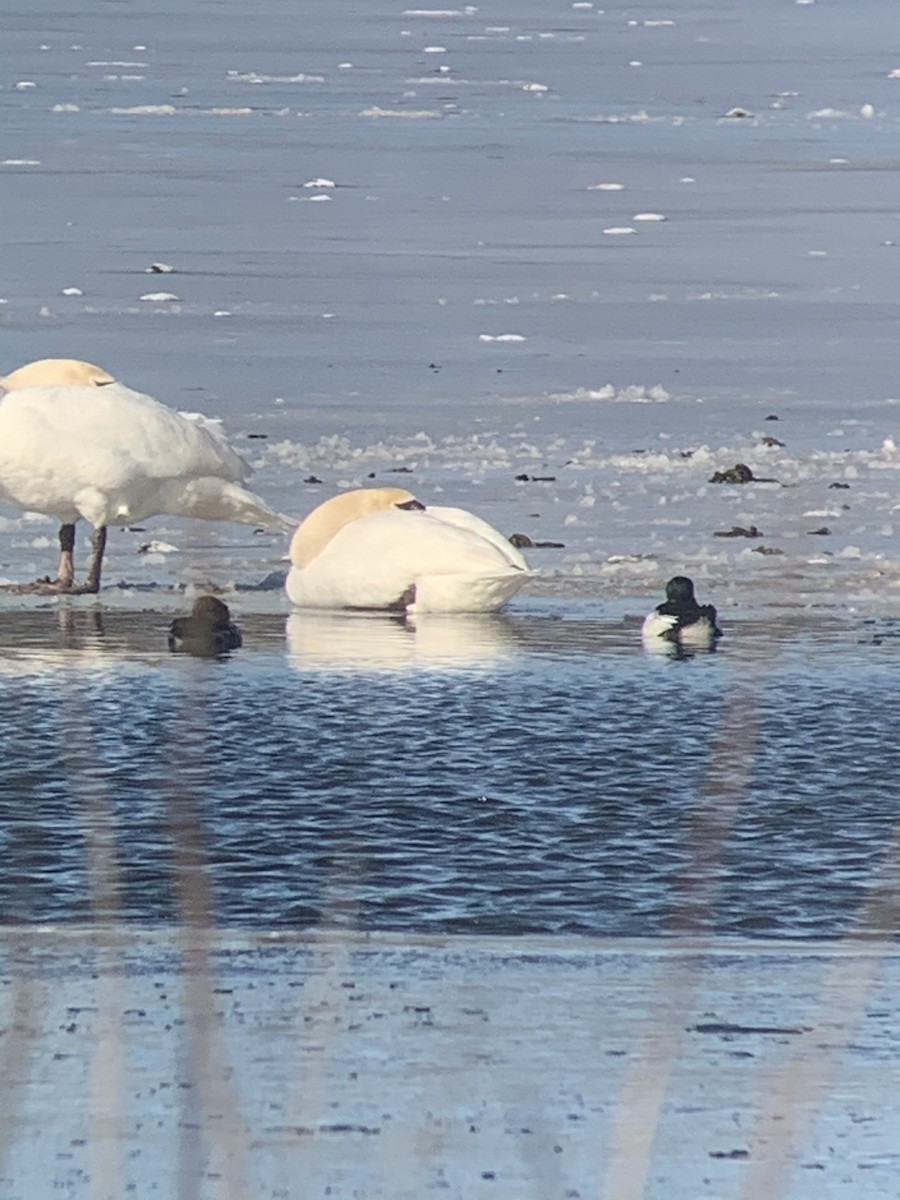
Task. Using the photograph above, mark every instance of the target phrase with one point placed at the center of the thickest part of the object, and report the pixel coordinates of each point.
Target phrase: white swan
(76, 443)
(380, 548)
(680, 621)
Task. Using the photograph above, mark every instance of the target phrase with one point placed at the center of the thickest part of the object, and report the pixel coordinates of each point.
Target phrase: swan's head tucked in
(329, 518)
(67, 372)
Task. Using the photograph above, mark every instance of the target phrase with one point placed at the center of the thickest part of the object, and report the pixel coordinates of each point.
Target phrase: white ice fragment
(222, 312)
(71, 291)
(500, 337)
(606, 187)
(867, 111)
(635, 62)
(434, 50)
(160, 297)
(582, 4)
(895, 74)
(45, 311)
(21, 162)
(65, 108)
(145, 110)
(25, 85)
(817, 253)
(320, 183)
(687, 179)
(838, 161)
(159, 268)
(648, 216)
(619, 230)
(653, 24)
(535, 87)
(257, 77)
(738, 113)
(406, 113)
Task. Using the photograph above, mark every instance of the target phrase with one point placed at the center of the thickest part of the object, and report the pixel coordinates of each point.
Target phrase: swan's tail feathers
(467, 592)
(214, 499)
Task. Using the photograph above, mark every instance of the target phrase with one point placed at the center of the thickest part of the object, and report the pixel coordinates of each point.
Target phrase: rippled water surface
(514, 774)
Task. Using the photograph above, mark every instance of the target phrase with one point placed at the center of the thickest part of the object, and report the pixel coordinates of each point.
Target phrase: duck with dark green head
(680, 620)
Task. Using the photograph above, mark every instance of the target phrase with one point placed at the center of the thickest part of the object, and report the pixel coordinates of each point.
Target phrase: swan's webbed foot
(52, 587)
(40, 587)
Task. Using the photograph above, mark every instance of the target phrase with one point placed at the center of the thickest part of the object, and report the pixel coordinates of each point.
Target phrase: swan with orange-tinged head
(75, 443)
(381, 548)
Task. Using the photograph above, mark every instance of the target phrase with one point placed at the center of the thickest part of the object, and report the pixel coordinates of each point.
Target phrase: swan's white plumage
(114, 456)
(360, 550)
(76, 443)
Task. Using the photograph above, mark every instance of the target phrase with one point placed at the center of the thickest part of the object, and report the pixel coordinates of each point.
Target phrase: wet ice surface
(527, 773)
(472, 1068)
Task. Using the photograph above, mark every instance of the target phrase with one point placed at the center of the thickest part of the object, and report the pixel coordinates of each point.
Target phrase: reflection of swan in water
(320, 641)
(37, 643)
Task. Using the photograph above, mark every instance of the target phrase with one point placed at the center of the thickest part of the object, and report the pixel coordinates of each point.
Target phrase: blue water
(516, 774)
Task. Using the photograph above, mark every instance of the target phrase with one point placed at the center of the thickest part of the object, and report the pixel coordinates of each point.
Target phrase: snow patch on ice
(634, 393)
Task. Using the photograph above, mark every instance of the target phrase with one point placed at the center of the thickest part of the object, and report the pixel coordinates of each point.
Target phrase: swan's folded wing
(462, 519)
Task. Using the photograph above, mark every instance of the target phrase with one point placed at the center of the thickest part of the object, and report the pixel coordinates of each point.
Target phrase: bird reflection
(341, 641)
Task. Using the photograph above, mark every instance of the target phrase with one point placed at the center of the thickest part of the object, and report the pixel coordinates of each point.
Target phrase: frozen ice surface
(355, 344)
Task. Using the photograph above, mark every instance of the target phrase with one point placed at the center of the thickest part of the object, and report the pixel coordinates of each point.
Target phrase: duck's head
(69, 372)
(680, 590)
(210, 610)
(329, 518)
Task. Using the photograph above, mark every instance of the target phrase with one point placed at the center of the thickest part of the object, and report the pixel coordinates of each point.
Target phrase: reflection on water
(507, 774)
(323, 641)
